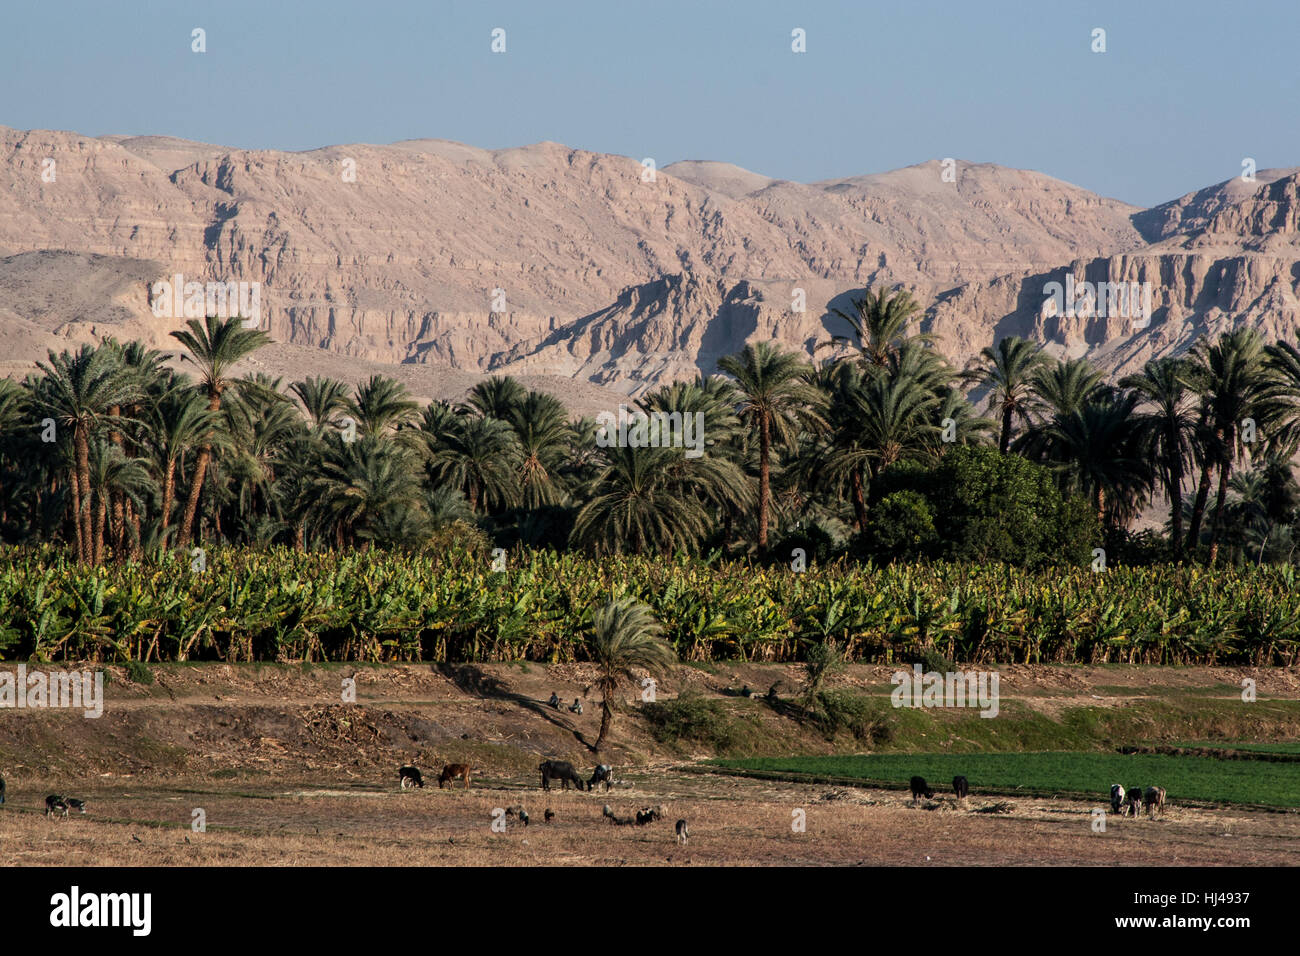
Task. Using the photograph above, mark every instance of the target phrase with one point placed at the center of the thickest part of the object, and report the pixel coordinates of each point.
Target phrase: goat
(1116, 797)
(682, 832)
(648, 815)
(549, 815)
(919, 786)
(1153, 798)
(453, 770)
(576, 707)
(2, 789)
(75, 804)
(602, 773)
(559, 770)
(54, 803)
(519, 812)
(408, 777)
(1133, 800)
(961, 787)
(555, 700)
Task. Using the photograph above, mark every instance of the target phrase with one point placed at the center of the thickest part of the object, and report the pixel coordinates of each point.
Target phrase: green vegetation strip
(1198, 779)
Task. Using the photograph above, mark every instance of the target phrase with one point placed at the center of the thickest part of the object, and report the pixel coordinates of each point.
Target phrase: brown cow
(453, 770)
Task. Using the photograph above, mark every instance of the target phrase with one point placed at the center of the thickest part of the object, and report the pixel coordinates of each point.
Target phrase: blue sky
(1184, 91)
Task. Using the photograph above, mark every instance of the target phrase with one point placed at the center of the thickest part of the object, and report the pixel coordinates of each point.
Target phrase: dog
(452, 771)
(409, 777)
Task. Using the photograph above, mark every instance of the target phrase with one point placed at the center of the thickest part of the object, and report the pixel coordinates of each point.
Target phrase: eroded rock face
(545, 260)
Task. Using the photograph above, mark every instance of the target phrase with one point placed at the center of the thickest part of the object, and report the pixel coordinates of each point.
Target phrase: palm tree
(1063, 388)
(365, 489)
(634, 505)
(480, 456)
(322, 398)
(77, 391)
(1232, 378)
(382, 404)
(214, 347)
(1167, 430)
(1009, 376)
(114, 476)
(541, 427)
(625, 635)
(179, 421)
(776, 396)
(879, 324)
(496, 397)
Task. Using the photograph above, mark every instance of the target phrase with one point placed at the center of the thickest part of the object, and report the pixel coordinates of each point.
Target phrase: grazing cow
(559, 770)
(682, 833)
(648, 815)
(961, 787)
(453, 771)
(1133, 801)
(2, 789)
(549, 815)
(408, 777)
(1153, 798)
(919, 787)
(555, 700)
(1116, 797)
(576, 707)
(603, 773)
(55, 804)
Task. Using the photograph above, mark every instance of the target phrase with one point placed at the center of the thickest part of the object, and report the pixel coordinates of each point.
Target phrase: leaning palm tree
(1167, 429)
(1008, 374)
(625, 635)
(214, 347)
(776, 397)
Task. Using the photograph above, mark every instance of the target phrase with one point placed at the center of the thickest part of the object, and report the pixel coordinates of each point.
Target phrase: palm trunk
(764, 476)
(76, 516)
(1198, 507)
(82, 441)
(169, 492)
(200, 469)
(101, 513)
(1217, 525)
(1004, 442)
(1176, 502)
(859, 501)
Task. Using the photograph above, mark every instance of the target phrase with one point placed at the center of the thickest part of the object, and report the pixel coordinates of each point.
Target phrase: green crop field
(1185, 778)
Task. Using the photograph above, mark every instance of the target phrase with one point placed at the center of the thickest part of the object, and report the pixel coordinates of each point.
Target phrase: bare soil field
(285, 774)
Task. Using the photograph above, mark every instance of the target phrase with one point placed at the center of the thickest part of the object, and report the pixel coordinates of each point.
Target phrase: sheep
(682, 832)
(961, 787)
(54, 804)
(576, 707)
(1153, 798)
(1116, 797)
(919, 787)
(604, 773)
(559, 770)
(453, 770)
(1133, 799)
(409, 776)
